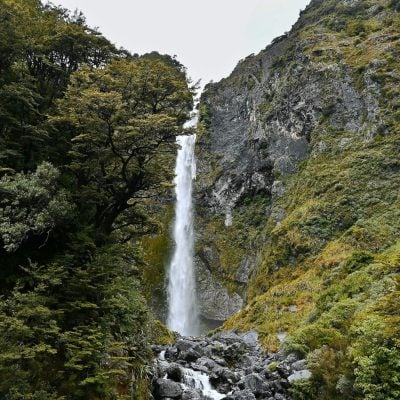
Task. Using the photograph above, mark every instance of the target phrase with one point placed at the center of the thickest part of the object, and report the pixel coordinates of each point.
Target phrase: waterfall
(182, 309)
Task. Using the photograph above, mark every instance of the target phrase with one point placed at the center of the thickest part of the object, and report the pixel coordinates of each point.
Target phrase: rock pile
(226, 366)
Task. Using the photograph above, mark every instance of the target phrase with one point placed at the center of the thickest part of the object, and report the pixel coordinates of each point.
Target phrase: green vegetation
(329, 271)
(86, 148)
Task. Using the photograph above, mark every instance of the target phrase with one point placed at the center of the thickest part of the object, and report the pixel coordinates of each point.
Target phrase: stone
(161, 368)
(184, 345)
(283, 370)
(171, 353)
(298, 375)
(240, 395)
(190, 355)
(191, 394)
(243, 272)
(223, 375)
(250, 338)
(291, 358)
(166, 388)
(299, 365)
(207, 363)
(255, 384)
(175, 372)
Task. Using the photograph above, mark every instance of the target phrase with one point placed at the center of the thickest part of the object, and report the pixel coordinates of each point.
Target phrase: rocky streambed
(225, 366)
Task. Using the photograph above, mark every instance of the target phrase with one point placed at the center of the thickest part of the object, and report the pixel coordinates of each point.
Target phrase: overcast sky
(208, 36)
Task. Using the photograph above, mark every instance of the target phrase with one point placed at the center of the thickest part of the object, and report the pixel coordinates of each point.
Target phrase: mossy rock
(160, 334)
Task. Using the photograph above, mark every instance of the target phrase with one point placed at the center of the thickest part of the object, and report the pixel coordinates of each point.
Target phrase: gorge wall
(297, 194)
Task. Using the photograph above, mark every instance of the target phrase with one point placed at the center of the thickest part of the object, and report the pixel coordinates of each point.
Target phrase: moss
(160, 334)
(273, 366)
(157, 249)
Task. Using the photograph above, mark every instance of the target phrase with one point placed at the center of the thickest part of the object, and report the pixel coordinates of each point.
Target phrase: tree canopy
(87, 140)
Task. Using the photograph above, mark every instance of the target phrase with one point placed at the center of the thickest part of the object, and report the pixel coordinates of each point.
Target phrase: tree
(125, 118)
(87, 143)
(40, 47)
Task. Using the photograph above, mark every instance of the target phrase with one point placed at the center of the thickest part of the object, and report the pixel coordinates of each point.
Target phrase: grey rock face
(261, 123)
(215, 302)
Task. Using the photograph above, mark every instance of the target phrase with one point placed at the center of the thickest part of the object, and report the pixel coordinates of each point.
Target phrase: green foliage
(41, 46)
(31, 204)
(87, 140)
(301, 390)
(124, 118)
(77, 333)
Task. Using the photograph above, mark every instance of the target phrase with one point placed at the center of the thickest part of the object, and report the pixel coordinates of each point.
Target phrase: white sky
(209, 37)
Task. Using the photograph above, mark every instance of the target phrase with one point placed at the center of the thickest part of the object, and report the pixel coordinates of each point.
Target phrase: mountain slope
(298, 195)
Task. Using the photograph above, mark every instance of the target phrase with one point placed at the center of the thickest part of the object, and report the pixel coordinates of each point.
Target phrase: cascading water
(182, 309)
(201, 382)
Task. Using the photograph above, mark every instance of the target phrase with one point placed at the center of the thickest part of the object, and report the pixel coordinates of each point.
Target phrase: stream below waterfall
(226, 366)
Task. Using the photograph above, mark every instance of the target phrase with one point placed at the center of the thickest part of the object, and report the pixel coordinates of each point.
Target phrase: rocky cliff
(297, 193)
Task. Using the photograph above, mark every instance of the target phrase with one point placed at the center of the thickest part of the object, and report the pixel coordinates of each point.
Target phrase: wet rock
(175, 372)
(162, 367)
(241, 395)
(215, 301)
(223, 376)
(207, 363)
(190, 355)
(171, 353)
(191, 394)
(184, 345)
(165, 388)
(255, 384)
(236, 367)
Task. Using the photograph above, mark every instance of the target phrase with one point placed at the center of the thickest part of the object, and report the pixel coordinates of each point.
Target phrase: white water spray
(182, 308)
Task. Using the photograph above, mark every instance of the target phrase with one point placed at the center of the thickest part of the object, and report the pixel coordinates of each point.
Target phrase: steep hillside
(298, 197)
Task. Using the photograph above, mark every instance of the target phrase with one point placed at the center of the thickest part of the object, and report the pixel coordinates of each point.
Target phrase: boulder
(250, 338)
(165, 388)
(191, 394)
(299, 365)
(298, 375)
(184, 345)
(240, 395)
(175, 372)
(190, 355)
(255, 384)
